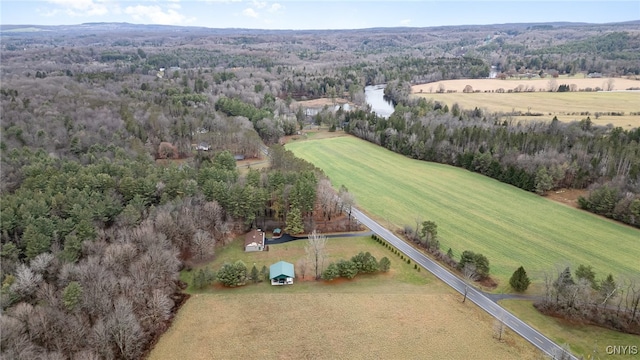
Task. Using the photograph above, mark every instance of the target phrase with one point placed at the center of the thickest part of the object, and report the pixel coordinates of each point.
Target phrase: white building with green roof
(281, 273)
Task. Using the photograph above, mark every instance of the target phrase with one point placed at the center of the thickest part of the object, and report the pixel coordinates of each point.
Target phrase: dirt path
(567, 196)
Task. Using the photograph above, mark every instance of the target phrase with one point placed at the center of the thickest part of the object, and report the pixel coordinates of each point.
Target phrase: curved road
(497, 311)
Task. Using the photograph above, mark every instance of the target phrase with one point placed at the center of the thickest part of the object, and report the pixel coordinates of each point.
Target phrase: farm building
(281, 273)
(254, 240)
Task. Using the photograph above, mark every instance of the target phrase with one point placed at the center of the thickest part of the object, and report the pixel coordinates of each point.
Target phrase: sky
(306, 14)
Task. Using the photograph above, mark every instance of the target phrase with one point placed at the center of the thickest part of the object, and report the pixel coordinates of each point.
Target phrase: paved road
(287, 238)
(477, 297)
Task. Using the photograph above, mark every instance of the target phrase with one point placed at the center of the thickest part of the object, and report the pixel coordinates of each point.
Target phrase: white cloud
(259, 4)
(82, 7)
(250, 13)
(275, 7)
(405, 22)
(156, 15)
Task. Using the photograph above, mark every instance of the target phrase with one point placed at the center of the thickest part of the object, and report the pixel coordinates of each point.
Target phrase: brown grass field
(494, 84)
(567, 106)
(403, 314)
(334, 326)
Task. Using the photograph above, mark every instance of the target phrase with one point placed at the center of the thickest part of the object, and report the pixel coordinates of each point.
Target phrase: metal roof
(281, 268)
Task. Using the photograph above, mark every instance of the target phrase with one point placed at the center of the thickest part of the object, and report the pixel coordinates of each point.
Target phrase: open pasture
(395, 315)
(473, 212)
(567, 106)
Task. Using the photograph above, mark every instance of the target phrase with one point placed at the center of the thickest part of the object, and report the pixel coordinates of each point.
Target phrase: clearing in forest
(402, 314)
(473, 212)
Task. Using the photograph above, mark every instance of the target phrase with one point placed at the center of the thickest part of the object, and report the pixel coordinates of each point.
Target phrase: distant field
(389, 316)
(536, 83)
(473, 212)
(567, 106)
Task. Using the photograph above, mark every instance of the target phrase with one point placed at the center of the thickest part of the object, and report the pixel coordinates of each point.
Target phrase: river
(375, 97)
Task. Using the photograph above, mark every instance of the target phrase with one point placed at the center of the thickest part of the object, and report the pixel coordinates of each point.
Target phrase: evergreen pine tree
(294, 221)
(519, 280)
(255, 277)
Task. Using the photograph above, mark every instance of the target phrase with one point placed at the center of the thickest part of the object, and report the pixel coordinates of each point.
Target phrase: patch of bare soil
(488, 284)
(567, 196)
(321, 102)
(337, 224)
(253, 163)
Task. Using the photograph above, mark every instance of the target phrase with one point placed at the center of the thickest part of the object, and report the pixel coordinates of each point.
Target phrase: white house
(254, 240)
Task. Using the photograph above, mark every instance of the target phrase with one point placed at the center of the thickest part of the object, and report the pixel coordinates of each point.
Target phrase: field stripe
(510, 226)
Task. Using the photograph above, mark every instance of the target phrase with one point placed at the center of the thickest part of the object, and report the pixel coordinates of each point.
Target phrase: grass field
(293, 251)
(386, 316)
(583, 339)
(536, 84)
(473, 212)
(566, 106)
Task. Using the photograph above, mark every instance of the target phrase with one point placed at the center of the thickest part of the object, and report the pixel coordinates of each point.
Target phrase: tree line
(608, 302)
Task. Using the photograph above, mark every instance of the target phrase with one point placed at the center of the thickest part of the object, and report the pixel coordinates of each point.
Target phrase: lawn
(340, 248)
(473, 212)
(391, 316)
(584, 340)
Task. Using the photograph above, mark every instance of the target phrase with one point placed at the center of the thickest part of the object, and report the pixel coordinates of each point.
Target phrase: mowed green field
(510, 226)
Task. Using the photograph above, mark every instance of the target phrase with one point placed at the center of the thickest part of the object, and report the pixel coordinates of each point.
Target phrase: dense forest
(119, 146)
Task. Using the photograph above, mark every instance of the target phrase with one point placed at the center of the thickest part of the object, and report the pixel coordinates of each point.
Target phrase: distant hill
(128, 27)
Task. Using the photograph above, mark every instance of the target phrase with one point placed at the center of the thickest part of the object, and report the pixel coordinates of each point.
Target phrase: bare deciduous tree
(609, 85)
(203, 244)
(469, 274)
(158, 311)
(327, 198)
(302, 265)
(316, 253)
(125, 330)
(561, 353)
(499, 328)
(100, 340)
(26, 281)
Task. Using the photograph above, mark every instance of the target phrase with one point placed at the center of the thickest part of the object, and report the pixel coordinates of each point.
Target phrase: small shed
(277, 232)
(254, 240)
(203, 146)
(281, 273)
